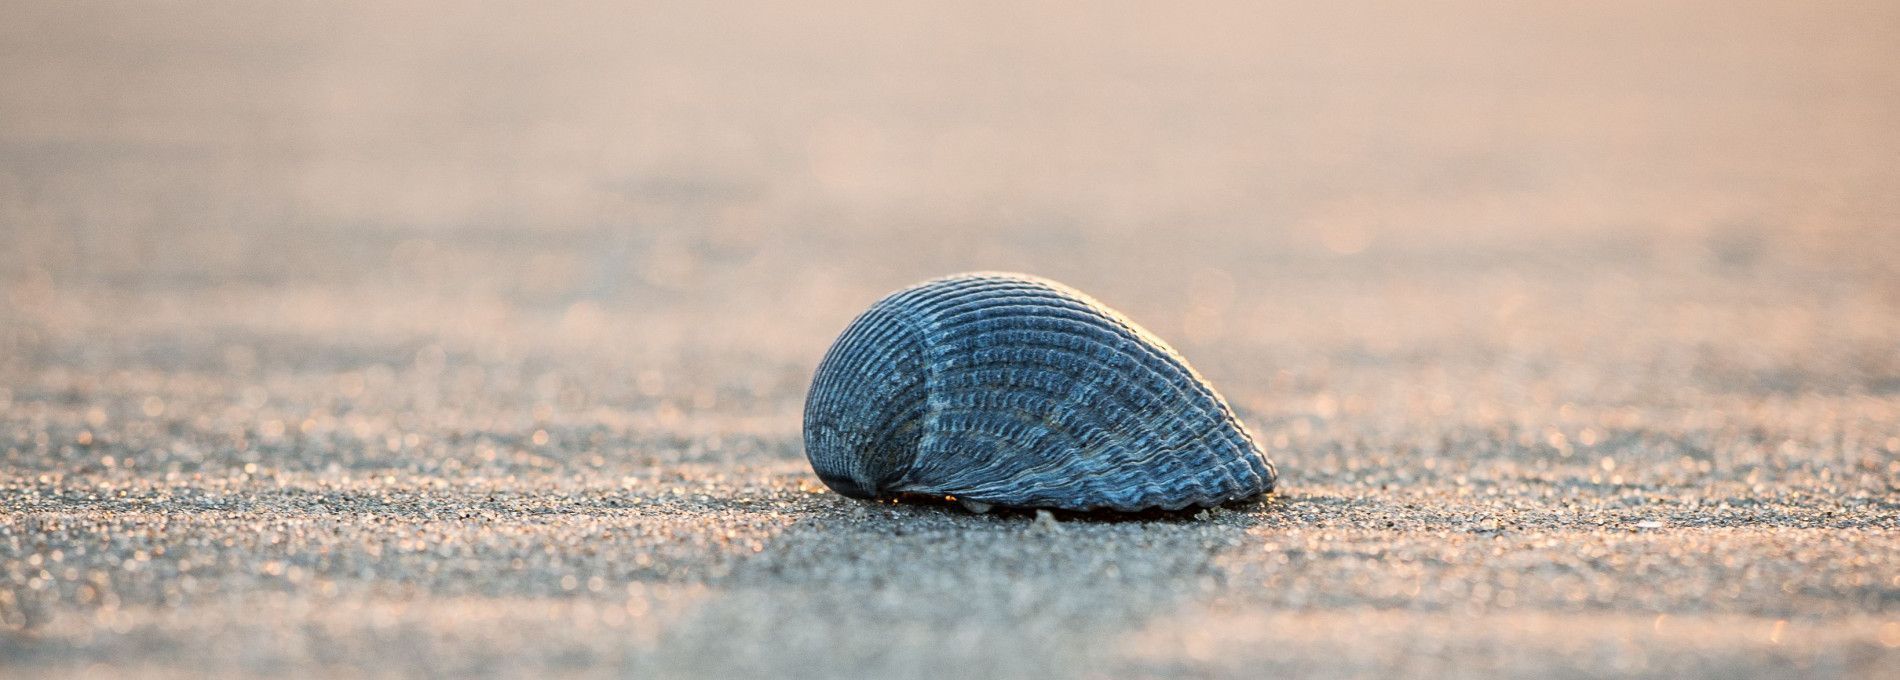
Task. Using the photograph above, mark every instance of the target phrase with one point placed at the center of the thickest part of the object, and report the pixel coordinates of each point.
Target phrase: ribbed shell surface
(1019, 391)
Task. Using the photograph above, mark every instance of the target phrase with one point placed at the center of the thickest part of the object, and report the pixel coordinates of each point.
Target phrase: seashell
(1016, 391)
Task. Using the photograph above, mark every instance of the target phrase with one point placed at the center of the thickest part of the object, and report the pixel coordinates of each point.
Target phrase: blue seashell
(1012, 390)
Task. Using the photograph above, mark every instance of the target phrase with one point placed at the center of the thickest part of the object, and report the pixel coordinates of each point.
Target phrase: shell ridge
(1168, 374)
(1250, 454)
(880, 337)
(957, 413)
(1165, 370)
(1087, 440)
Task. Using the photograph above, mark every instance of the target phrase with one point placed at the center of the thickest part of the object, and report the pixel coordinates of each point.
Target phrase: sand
(429, 340)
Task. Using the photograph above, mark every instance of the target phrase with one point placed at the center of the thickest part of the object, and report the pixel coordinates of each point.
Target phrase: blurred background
(684, 202)
(1421, 242)
(634, 157)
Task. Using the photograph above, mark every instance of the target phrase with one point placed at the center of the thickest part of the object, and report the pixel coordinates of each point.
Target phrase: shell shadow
(907, 587)
(1267, 502)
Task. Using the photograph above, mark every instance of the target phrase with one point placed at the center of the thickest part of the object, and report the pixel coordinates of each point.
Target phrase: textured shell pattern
(1018, 391)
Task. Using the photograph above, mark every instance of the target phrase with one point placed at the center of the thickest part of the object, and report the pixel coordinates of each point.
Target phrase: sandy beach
(427, 339)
